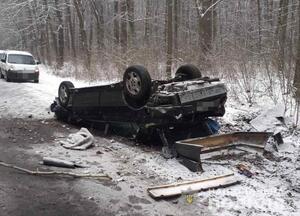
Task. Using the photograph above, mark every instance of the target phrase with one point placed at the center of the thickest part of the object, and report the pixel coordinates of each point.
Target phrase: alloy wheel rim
(63, 94)
(133, 83)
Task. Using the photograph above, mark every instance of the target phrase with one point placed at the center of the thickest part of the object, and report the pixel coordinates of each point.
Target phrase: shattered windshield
(21, 59)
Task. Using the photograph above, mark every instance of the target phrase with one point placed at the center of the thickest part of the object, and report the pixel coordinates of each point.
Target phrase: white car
(19, 66)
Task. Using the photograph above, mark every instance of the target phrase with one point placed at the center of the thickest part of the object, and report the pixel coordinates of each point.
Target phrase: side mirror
(3, 60)
(37, 62)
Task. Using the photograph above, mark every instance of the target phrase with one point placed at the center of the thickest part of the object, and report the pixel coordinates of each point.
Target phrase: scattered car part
(189, 187)
(48, 161)
(278, 138)
(194, 166)
(192, 149)
(80, 140)
(188, 72)
(243, 169)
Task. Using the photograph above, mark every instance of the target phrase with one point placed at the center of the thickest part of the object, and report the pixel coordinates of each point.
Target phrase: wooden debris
(192, 186)
(55, 173)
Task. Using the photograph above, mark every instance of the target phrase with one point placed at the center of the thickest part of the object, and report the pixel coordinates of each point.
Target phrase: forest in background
(242, 40)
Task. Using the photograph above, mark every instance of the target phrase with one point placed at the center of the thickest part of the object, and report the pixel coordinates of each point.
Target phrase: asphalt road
(25, 195)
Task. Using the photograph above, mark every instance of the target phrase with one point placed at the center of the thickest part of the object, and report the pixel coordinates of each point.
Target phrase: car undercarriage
(173, 109)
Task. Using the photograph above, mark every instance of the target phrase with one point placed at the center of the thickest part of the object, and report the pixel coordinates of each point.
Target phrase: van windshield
(20, 59)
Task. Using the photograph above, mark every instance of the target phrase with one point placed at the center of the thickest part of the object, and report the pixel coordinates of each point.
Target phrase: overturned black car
(174, 109)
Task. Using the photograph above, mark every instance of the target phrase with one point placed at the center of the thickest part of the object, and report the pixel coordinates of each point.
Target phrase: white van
(19, 66)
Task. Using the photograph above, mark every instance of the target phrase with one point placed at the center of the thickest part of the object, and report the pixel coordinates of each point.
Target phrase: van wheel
(64, 93)
(136, 86)
(188, 72)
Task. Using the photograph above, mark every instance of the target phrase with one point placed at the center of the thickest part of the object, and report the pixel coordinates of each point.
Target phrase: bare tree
(123, 36)
(169, 37)
(83, 36)
(61, 41)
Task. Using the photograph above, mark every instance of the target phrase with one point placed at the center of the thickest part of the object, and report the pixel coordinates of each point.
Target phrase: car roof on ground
(17, 52)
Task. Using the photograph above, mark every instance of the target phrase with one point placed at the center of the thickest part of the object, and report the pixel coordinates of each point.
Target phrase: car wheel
(64, 93)
(136, 86)
(188, 72)
(1, 75)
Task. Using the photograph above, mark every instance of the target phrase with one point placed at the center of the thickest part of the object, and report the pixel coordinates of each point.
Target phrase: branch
(209, 8)
(51, 173)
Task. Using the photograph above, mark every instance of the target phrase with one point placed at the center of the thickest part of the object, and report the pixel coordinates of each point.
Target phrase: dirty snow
(22, 100)
(273, 190)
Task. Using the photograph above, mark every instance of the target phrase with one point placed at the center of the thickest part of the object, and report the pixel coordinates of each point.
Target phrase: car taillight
(37, 71)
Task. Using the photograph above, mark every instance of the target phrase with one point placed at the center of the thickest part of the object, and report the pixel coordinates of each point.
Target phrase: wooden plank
(192, 186)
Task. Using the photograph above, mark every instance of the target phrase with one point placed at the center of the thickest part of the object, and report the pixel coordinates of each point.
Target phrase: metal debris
(192, 149)
(58, 162)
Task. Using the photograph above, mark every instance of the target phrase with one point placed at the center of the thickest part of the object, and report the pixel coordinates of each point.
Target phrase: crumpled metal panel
(193, 148)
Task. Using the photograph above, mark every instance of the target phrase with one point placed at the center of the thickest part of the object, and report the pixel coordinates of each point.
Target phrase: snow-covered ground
(273, 190)
(25, 99)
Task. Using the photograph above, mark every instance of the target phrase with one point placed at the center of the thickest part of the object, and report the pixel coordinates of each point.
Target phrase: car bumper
(22, 76)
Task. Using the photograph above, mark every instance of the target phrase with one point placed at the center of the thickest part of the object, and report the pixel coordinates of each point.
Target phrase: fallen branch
(51, 173)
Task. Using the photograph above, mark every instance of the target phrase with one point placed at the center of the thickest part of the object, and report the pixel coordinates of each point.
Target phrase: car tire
(136, 86)
(64, 93)
(188, 72)
(1, 75)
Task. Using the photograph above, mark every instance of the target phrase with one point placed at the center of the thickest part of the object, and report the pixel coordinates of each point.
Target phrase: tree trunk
(147, 23)
(98, 14)
(123, 36)
(169, 37)
(297, 69)
(176, 26)
(205, 24)
(259, 24)
(71, 29)
(206, 29)
(130, 9)
(281, 31)
(83, 35)
(116, 22)
(60, 42)
(91, 35)
(47, 36)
